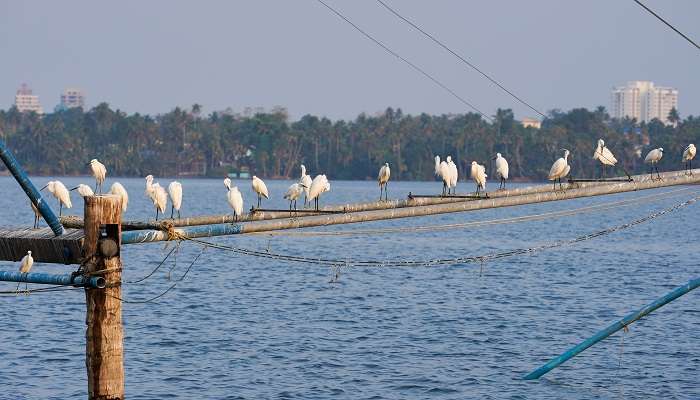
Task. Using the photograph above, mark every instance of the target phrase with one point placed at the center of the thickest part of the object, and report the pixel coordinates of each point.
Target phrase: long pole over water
(404, 212)
(614, 327)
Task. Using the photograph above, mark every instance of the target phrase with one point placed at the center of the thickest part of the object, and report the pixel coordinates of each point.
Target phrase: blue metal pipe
(34, 195)
(51, 279)
(616, 326)
(130, 237)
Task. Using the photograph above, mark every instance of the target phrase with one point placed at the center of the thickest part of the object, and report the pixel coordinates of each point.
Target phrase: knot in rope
(169, 228)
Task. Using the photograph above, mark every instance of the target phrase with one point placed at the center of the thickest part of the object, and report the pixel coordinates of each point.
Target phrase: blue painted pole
(130, 237)
(51, 279)
(616, 326)
(34, 195)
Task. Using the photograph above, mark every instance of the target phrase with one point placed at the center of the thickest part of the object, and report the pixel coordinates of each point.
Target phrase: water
(240, 327)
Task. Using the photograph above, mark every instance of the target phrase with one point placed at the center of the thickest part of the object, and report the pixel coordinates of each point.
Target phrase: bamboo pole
(104, 335)
(614, 327)
(415, 211)
(261, 215)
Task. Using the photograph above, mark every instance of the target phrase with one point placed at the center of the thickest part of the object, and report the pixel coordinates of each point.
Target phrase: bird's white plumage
(689, 152)
(305, 180)
(25, 265)
(84, 190)
(160, 197)
(99, 171)
(559, 166)
(654, 156)
(294, 191)
(384, 174)
(603, 154)
(260, 188)
(175, 192)
(319, 185)
(478, 173)
(453, 173)
(60, 192)
(234, 197)
(119, 190)
(442, 170)
(501, 167)
(149, 186)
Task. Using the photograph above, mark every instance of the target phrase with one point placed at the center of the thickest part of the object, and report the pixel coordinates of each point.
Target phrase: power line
(667, 23)
(474, 67)
(412, 65)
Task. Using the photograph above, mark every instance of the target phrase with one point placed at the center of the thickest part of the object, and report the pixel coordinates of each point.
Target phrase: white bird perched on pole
(688, 155)
(235, 199)
(260, 188)
(558, 170)
(175, 191)
(83, 190)
(454, 175)
(305, 181)
(25, 265)
(37, 215)
(653, 158)
(160, 198)
(501, 170)
(293, 193)
(319, 185)
(118, 190)
(383, 178)
(61, 193)
(604, 155)
(478, 173)
(442, 170)
(99, 171)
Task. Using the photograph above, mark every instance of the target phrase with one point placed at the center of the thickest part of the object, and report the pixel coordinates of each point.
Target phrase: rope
(445, 261)
(499, 221)
(157, 267)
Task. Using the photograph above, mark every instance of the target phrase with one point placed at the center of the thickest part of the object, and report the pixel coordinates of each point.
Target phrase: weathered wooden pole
(104, 356)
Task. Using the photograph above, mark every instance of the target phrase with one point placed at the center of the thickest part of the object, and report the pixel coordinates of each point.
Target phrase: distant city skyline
(644, 101)
(300, 56)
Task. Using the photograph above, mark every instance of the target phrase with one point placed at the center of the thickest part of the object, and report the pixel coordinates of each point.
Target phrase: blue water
(241, 327)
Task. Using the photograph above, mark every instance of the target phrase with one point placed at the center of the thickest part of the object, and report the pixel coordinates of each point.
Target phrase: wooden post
(104, 356)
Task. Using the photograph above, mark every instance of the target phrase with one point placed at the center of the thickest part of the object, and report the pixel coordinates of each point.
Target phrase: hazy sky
(150, 56)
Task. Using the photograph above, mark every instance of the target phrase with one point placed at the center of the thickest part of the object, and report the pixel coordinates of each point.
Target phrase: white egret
(501, 170)
(260, 188)
(149, 186)
(305, 181)
(61, 193)
(235, 200)
(83, 190)
(37, 215)
(688, 155)
(442, 170)
(604, 155)
(558, 170)
(478, 173)
(25, 265)
(383, 179)
(653, 158)
(118, 189)
(319, 185)
(293, 193)
(99, 171)
(454, 175)
(175, 191)
(160, 199)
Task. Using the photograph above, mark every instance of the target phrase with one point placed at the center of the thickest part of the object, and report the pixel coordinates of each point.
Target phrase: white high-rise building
(26, 101)
(643, 101)
(71, 98)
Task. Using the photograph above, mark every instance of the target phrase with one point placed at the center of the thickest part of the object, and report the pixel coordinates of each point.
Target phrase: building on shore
(26, 101)
(72, 98)
(531, 123)
(643, 101)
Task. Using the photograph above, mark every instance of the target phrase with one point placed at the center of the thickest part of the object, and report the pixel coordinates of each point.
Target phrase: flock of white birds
(312, 189)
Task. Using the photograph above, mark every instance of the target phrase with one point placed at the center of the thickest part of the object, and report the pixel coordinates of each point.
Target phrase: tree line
(268, 144)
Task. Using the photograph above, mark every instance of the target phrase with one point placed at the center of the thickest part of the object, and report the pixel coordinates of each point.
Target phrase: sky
(151, 56)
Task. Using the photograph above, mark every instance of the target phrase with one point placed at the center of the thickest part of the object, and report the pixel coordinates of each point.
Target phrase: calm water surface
(241, 327)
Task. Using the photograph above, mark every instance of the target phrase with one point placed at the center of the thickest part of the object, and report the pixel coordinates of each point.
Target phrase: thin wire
(474, 67)
(57, 288)
(667, 23)
(157, 267)
(412, 65)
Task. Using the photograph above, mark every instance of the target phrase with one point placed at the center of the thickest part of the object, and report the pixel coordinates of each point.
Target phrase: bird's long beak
(494, 158)
(87, 164)
(45, 186)
(73, 189)
(304, 186)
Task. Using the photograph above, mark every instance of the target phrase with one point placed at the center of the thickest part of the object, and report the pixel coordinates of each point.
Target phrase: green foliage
(185, 142)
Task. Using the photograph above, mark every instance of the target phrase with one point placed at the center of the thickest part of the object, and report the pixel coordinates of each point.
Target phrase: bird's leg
(156, 213)
(17, 290)
(178, 214)
(60, 208)
(259, 199)
(386, 191)
(380, 192)
(172, 211)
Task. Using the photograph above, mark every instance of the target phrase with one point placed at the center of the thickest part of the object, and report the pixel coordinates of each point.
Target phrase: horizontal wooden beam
(45, 247)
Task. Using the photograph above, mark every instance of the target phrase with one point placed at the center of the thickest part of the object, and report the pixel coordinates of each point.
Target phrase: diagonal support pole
(18, 172)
